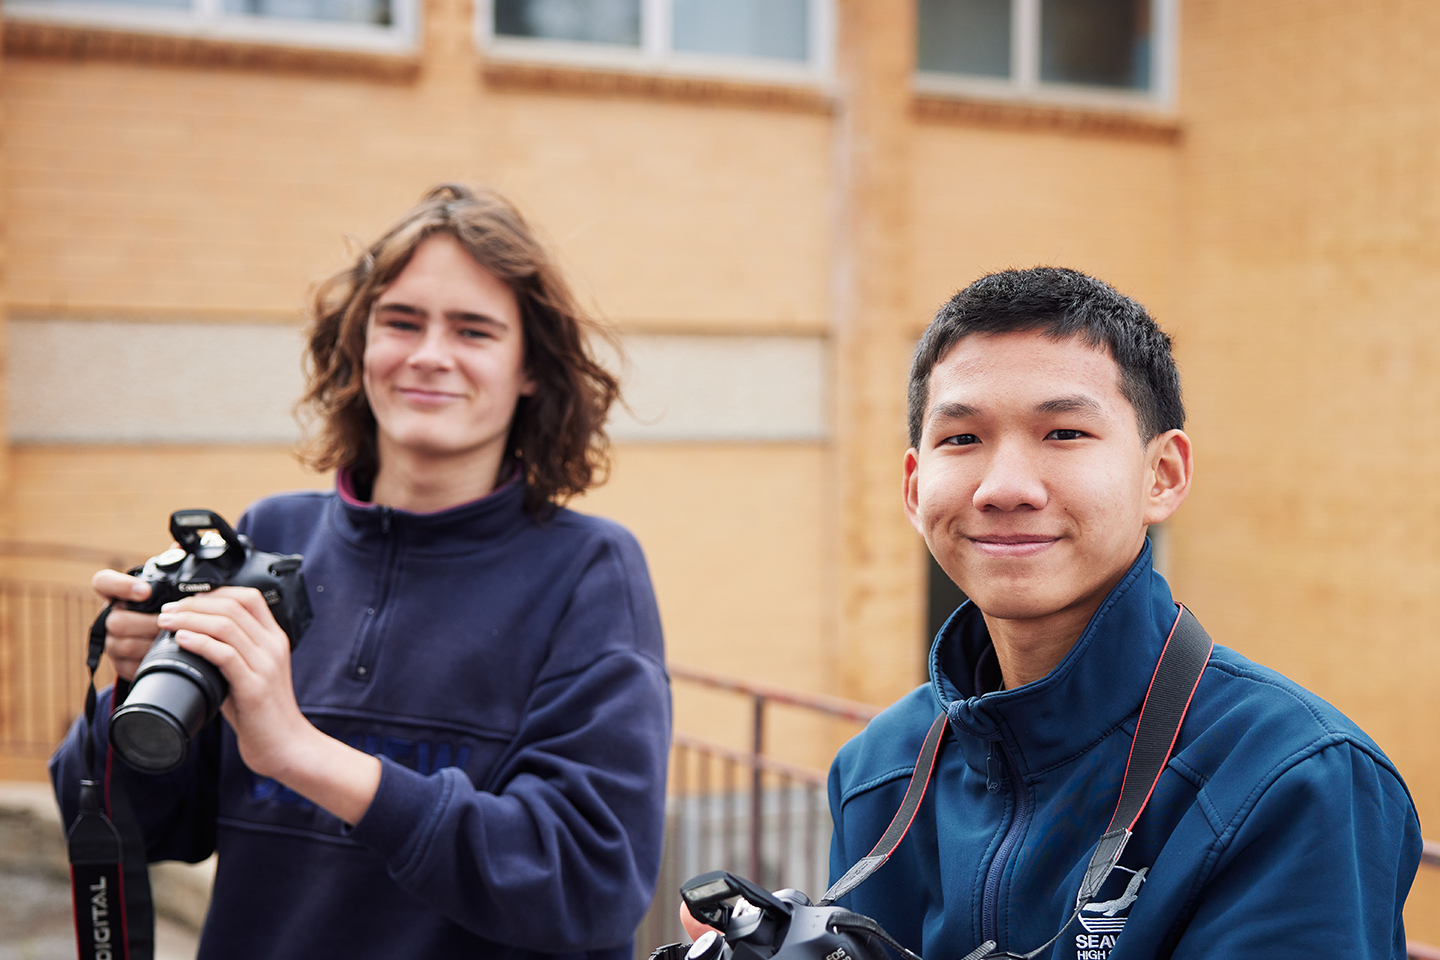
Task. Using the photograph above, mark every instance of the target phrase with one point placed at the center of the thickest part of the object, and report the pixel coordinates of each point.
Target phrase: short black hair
(1061, 303)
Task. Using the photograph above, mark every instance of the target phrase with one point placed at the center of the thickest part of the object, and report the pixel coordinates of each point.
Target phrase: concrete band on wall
(97, 381)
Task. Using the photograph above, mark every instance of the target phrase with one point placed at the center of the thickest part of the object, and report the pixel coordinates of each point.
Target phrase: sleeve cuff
(404, 814)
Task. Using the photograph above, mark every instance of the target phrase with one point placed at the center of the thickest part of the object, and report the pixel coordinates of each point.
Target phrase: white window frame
(655, 55)
(1024, 82)
(206, 19)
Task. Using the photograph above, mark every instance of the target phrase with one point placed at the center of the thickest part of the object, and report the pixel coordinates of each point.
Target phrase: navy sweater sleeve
(560, 850)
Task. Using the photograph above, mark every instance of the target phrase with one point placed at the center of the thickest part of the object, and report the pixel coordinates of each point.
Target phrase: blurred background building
(767, 198)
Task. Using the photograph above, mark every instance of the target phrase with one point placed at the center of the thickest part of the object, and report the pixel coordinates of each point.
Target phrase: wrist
(330, 774)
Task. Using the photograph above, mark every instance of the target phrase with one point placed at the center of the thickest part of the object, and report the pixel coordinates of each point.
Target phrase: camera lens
(149, 740)
(151, 731)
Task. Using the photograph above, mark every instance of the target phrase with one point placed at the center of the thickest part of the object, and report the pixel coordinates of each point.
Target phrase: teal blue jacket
(1278, 829)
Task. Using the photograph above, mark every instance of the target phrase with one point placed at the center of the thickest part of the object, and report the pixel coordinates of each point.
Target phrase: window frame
(1024, 83)
(654, 55)
(206, 20)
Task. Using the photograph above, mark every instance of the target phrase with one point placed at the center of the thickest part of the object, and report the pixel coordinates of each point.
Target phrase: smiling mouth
(1012, 545)
(425, 396)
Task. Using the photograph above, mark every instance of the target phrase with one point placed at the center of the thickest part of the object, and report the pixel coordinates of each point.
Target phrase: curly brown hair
(557, 435)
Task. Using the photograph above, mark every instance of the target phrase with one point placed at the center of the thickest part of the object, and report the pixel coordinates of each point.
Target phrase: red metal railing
(761, 696)
(742, 809)
(1414, 949)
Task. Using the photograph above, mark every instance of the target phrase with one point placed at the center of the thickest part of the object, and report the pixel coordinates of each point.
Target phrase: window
(784, 39)
(379, 25)
(1093, 50)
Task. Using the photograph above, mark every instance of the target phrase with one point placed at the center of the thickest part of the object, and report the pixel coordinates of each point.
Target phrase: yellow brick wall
(1310, 270)
(120, 498)
(986, 199)
(144, 189)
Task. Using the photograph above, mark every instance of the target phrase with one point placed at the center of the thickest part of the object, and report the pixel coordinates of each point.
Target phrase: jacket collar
(461, 529)
(1099, 685)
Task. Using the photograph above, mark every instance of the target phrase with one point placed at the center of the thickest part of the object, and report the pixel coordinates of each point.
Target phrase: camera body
(761, 925)
(175, 692)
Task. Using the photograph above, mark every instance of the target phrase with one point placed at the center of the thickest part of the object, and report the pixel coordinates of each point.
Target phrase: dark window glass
(750, 28)
(965, 36)
(342, 11)
(1102, 43)
(589, 21)
(942, 599)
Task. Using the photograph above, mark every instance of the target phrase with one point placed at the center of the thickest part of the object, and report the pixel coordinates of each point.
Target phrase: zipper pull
(994, 768)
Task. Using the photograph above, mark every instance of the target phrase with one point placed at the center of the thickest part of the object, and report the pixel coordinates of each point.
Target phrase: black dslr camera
(174, 692)
(783, 925)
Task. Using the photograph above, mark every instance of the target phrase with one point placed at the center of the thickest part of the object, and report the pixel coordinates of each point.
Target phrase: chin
(1017, 604)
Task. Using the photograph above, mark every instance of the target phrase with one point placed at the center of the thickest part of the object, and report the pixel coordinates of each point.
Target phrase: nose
(432, 352)
(1012, 480)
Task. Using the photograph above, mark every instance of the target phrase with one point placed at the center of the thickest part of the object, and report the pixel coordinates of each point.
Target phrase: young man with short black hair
(1046, 437)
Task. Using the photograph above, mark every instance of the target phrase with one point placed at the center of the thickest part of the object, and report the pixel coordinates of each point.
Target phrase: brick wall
(1310, 274)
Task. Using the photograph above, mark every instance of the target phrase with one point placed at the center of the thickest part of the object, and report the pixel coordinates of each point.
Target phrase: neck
(1028, 650)
(420, 484)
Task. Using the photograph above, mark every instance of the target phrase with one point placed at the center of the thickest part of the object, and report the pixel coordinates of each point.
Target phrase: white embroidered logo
(1104, 919)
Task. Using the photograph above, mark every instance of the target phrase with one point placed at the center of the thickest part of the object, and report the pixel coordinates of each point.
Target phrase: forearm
(335, 777)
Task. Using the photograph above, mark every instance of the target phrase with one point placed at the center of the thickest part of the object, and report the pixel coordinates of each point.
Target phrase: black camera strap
(110, 884)
(1177, 675)
(899, 824)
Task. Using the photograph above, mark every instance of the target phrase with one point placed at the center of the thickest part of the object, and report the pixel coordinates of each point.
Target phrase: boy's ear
(910, 489)
(1169, 463)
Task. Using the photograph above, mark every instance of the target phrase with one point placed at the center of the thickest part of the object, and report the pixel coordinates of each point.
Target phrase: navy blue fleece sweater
(510, 676)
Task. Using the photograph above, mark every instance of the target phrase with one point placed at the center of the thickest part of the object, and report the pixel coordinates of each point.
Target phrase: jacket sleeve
(175, 811)
(560, 850)
(1320, 866)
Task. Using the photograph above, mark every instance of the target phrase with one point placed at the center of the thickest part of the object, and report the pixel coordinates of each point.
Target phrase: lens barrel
(174, 694)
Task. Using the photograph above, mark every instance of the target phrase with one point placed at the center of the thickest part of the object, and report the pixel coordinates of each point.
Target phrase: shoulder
(602, 584)
(282, 513)
(886, 749)
(1249, 727)
(291, 504)
(592, 534)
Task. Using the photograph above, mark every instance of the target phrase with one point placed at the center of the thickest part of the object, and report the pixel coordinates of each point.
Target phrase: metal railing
(743, 810)
(43, 630)
(1414, 949)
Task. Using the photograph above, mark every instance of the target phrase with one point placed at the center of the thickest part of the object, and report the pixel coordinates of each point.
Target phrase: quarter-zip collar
(490, 520)
(1099, 685)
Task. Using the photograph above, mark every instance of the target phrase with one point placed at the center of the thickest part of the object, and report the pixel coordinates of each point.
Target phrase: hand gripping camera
(174, 692)
(783, 925)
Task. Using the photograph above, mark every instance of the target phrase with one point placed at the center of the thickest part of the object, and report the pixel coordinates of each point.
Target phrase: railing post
(757, 748)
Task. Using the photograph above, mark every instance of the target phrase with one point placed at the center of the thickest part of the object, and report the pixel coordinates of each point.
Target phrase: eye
(398, 320)
(1065, 435)
(960, 440)
(476, 333)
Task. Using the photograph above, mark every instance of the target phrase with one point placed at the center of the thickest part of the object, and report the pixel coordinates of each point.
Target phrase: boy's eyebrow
(459, 316)
(396, 306)
(465, 316)
(1074, 403)
(952, 410)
